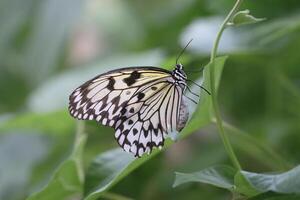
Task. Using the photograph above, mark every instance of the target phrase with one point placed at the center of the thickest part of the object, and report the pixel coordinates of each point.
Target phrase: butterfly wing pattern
(142, 104)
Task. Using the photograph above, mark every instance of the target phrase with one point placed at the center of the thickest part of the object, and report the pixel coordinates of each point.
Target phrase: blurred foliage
(49, 47)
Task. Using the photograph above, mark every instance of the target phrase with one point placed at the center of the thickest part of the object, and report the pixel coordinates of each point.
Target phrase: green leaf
(244, 17)
(287, 182)
(219, 176)
(107, 169)
(261, 186)
(243, 186)
(67, 181)
(121, 164)
(203, 115)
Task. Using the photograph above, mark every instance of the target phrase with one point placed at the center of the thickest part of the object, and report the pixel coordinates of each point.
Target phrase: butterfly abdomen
(183, 115)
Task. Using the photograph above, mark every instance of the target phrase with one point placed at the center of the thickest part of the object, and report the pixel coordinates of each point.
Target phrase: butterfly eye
(179, 66)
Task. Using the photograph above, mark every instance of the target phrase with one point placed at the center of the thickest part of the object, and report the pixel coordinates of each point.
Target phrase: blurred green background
(49, 47)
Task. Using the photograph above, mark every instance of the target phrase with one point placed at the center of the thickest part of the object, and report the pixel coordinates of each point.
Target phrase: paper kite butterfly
(142, 104)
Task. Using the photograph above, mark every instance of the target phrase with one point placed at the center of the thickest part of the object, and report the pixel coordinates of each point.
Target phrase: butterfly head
(179, 74)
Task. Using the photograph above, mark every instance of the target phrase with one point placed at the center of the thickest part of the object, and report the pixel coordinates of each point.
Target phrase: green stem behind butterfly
(79, 129)
(216, 109)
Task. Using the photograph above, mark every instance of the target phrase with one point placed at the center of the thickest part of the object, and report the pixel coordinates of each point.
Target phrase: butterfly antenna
(199, 86)
(191, 99)
(189, 89)
(182, 51)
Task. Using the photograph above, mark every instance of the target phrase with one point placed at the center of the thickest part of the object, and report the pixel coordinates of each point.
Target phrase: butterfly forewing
(103, 97)
(142, 104)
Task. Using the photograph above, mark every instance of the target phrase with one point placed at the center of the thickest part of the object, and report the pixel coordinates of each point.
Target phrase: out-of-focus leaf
(286, 182)
(53, 22)
(274, 30)
(18, 154)
(54, 123)
(109, 23)
(67, 181)
(125, 163)
(13, 16)
(255, 148)
(54, 93)
(219, 176)
(203, 32)
(244, 17)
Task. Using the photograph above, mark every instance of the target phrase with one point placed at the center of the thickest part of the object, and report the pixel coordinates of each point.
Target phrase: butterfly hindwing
(150, 119)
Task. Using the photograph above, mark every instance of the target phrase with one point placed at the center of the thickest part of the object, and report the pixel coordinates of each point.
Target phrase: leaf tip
(244, 17)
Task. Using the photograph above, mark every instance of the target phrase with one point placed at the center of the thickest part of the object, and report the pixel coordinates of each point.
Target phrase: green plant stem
(79, 143)
(222, 133)
(222, 28)
(79, 129)
(80, 133)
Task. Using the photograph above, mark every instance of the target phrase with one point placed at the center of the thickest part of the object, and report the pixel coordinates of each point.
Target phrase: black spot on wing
(111, 83)
(140, 96)
(128, 93)
(135, 131)
(132, 78)
(123, 111)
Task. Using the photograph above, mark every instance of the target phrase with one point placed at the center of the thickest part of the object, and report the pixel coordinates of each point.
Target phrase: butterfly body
(142, 104)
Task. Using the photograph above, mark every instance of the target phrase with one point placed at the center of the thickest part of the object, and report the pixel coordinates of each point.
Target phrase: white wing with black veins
(142, 104)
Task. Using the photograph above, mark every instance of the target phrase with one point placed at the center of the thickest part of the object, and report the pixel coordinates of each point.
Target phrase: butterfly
(143, 104)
